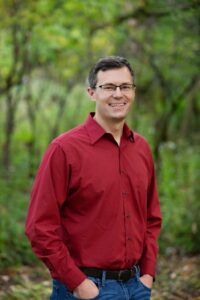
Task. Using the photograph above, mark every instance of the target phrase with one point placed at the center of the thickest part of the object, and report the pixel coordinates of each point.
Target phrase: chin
(119, 117)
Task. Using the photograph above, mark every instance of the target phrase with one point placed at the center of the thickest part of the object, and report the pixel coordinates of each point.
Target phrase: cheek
(100, 106)
(102, 102)
(130, 101)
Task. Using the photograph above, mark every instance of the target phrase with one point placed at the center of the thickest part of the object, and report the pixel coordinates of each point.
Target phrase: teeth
(117, 104)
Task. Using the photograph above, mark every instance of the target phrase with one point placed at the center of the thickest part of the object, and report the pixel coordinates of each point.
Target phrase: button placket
(124, 193)
(127, 217)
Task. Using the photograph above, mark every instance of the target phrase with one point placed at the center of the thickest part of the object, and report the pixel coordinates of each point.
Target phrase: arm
(147, 262)
(43, 219)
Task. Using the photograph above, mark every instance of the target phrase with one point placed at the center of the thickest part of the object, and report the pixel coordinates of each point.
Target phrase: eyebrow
(111, 83)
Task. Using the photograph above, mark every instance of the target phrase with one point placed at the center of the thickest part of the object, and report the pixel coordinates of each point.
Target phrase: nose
(117, 92)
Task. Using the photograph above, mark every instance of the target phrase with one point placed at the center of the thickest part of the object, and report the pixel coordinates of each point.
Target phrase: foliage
(46, 50)
(14, 246)
(179, 191)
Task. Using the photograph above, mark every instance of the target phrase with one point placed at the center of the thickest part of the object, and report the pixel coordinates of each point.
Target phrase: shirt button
(129, 238)
(128, 216)
(124, 193)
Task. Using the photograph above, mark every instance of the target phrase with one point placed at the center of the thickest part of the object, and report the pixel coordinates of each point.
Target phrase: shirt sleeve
(147, 262)
(43, 223)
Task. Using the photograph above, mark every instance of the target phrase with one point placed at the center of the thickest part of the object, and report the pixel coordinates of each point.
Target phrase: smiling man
(94, 216)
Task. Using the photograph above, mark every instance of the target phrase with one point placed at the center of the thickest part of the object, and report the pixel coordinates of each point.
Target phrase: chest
(101, 167)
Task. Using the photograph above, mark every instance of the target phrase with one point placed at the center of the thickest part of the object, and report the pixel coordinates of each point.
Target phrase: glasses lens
(126, 87)
(110, 88)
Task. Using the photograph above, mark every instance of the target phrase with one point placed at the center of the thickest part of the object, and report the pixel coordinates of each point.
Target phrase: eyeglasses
(124, 88)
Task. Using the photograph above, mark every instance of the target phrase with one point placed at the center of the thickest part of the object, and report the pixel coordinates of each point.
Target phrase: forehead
(115, 76)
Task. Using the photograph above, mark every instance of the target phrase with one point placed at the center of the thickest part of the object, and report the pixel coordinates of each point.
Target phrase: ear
(91, 93)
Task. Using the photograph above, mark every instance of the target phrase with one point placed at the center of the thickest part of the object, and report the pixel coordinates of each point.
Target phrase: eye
(109, 87)
(126, 87)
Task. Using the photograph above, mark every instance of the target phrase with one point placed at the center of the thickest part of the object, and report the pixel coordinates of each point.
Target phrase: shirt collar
(95, 131)
(128, 133)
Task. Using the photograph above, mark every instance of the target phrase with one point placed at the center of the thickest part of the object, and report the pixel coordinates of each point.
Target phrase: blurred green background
(46, 50)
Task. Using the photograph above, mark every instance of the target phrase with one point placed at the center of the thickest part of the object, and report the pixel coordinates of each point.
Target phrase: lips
(117, 104)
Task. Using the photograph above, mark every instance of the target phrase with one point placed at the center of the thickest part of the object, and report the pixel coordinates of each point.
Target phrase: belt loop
(137, 271)
(138, 268)
(103, 278)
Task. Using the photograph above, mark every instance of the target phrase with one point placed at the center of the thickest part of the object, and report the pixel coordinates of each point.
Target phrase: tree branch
(141, 13)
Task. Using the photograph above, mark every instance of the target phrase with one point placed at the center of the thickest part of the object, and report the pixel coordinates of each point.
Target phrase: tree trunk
(9, 129)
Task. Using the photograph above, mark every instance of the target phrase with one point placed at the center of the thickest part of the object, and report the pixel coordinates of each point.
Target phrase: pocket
(96, 282)
(72, 297)
(144, 286)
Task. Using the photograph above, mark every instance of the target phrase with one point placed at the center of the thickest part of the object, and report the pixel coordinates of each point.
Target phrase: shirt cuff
(148, 267)
(72, 278)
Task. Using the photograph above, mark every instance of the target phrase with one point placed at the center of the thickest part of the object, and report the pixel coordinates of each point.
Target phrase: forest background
(46, 50)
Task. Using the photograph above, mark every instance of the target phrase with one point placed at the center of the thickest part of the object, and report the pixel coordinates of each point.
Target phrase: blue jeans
(132, 289)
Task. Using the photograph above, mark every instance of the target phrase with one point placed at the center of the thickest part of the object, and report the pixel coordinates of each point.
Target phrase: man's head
(111, 86)
(108, 63)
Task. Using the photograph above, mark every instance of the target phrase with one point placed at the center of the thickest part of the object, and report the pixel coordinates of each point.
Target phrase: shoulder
(143, 147)
(142, 144)
(139, 139)
(71, 136)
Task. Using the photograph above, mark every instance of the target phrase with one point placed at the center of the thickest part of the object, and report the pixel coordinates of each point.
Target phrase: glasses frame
(131, 85)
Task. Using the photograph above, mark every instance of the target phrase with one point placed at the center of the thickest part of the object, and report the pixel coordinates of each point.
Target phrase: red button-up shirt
(94, 203)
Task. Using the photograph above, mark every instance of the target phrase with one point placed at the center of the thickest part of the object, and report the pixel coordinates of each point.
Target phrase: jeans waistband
(121, 275)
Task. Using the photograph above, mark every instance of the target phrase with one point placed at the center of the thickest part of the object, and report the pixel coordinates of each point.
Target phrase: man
(94, 215)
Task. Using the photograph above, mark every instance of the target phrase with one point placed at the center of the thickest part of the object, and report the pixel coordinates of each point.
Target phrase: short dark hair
(108, 63)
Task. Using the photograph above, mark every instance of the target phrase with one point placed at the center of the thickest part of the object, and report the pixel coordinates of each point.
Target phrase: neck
(114, 127)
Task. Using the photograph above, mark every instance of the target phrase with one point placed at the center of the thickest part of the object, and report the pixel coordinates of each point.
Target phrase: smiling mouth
(117, 104)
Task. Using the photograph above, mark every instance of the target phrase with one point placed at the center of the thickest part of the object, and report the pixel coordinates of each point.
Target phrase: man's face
(113, 105)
